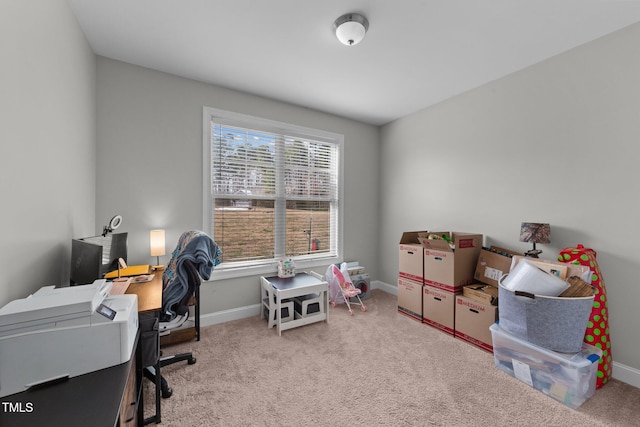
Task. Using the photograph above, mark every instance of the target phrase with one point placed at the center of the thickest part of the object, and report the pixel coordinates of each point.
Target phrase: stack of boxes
(449, 265)
(452, 284)
(411, 274)
(477, 307)
(433, 268)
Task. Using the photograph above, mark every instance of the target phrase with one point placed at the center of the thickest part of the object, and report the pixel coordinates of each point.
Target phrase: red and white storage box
(473, 319)
(410, 298)
(450, 262)
(438, 309)
(569, 378)
(411, 256)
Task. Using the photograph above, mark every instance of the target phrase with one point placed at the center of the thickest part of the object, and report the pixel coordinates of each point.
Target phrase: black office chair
(193, 260)
(182, 315)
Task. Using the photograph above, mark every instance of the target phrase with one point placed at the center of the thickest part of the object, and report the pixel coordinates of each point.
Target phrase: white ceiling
(415, 54)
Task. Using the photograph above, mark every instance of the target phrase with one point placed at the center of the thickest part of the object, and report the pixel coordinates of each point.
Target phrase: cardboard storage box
(492, 265)
(438, 309)
(411, 259)
(447, 268)
(568, 378)
(486, 294)
(472, 321)
(410, 298)
(556, 323)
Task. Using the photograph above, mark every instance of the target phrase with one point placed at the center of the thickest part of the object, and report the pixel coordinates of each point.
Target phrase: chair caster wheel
(191, 360)
(166, 392)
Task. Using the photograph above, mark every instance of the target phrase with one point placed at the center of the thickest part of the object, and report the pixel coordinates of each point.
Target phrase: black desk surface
(92, 399)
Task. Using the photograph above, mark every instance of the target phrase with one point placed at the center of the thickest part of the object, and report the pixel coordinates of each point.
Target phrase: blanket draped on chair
(197, 247)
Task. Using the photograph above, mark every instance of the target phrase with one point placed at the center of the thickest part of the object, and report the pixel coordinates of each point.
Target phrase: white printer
(57, 333)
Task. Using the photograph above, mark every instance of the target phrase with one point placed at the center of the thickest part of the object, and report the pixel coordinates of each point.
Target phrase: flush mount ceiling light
(351, 28)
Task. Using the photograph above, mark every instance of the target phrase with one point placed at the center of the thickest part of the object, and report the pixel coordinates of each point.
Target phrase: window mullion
(280, 202)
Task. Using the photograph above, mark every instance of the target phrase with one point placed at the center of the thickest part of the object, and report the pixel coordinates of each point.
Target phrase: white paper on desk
(522, 371)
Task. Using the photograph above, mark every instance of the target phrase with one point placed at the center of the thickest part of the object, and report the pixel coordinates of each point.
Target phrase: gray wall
(556, 143)
(149, 166)
(47, 140)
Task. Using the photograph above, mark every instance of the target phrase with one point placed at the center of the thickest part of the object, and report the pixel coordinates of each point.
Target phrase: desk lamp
(121, 265)
(534, 232)
(113, 224)
(157, 245)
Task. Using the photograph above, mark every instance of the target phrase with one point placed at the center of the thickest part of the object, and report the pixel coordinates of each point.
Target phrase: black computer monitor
(92, 257)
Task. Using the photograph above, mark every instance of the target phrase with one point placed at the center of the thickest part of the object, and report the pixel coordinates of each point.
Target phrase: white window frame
(254, 268)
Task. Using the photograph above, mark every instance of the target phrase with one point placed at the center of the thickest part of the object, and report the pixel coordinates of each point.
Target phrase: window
(272, 190)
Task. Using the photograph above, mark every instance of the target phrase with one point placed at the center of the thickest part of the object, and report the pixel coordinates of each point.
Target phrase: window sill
(221, 272)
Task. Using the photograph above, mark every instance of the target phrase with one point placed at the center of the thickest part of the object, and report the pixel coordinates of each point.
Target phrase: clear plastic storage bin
(569, 378)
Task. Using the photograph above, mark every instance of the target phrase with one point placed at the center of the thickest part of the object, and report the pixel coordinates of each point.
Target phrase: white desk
(299, 285)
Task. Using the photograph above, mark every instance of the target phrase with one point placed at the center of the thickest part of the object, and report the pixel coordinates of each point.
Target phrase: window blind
(274, 194)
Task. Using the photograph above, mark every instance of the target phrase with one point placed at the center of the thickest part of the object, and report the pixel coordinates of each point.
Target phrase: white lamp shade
(157, 242)
(351, 28)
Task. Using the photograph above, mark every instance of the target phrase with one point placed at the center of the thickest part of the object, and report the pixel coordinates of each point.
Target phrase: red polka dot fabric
(597, 333)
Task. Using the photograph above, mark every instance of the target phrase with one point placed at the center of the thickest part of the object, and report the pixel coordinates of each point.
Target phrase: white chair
(269, 306)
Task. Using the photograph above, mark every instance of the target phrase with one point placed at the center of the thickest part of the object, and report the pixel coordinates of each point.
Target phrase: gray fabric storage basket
(555, 323)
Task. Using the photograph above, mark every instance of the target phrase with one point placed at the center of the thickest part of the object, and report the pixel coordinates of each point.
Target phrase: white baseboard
(254, 310)
(229, 315)
(626, 374)
(390, 289)
(621, 372)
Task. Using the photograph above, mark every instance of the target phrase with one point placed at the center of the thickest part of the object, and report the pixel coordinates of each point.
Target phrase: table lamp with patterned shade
(534, 232)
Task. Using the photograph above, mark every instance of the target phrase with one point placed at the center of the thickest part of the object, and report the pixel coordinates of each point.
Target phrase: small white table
(299, 285)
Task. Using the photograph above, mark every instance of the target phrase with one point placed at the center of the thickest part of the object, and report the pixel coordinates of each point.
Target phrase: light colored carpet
(377, 368)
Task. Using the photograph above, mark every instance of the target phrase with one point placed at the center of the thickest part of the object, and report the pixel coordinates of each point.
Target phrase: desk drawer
(129, 405)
